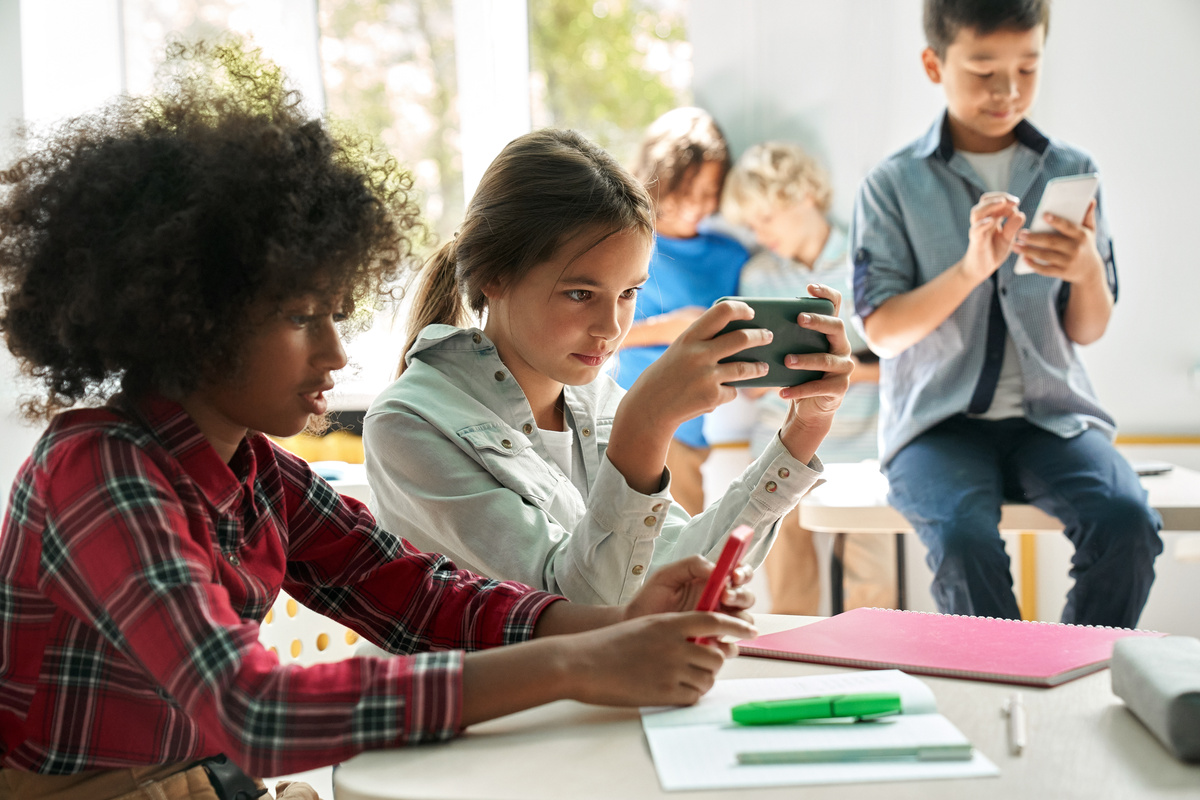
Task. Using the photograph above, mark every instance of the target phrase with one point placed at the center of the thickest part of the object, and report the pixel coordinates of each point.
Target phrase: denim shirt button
(527, 428)
(476, 338)
(499, 375)
(638, 569)
(586, 431)
(506, 444)
(784, 472)
(650, 521)
(772, 486)
(657, 507)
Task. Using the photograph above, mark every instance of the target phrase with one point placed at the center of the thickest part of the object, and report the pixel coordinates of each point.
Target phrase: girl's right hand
(651, 660)
(688, 379)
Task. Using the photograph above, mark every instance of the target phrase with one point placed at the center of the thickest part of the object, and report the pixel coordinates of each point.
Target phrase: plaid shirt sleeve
(110, 566)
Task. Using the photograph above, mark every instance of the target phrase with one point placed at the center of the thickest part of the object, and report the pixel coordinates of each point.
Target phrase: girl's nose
(607, 323)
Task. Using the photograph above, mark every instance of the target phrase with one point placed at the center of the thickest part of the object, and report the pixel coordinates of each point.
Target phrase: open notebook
(697, 747)
(983, 648)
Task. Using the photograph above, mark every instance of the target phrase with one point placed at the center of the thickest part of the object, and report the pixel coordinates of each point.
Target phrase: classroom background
(446, 83)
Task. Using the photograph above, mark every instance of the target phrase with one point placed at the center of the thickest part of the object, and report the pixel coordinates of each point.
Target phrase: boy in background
(780, 193)
(983, 394)
(682, 162)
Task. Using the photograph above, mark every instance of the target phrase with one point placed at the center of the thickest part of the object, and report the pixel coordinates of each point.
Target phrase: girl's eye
(631, 292)
(578, 295)
(299, 320)
(341, 316)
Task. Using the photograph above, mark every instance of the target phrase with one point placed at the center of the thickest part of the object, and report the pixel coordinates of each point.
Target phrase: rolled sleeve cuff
(430, 685)
(624, 511)
(524, 614)
(429, 694)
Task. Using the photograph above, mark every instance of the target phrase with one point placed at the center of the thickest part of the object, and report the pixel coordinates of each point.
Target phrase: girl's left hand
(813, 403)
(678, 586)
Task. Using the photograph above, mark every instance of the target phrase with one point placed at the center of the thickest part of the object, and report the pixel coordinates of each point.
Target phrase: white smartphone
(1065, 197)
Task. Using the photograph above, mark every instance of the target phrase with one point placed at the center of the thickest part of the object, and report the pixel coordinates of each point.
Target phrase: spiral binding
(1023, 621)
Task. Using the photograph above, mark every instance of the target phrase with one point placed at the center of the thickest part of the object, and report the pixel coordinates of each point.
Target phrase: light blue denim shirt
(910, 224)
(456, 465)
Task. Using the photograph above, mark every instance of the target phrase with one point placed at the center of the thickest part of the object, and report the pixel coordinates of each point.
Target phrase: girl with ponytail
(505, 445)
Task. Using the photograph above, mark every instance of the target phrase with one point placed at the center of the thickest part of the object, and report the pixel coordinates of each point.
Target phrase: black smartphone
(778, 314)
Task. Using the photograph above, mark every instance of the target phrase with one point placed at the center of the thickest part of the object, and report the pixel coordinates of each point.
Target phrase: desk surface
(854, 499)
(1083, 742)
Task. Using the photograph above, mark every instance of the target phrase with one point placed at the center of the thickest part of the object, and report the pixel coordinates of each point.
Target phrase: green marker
(779, 712)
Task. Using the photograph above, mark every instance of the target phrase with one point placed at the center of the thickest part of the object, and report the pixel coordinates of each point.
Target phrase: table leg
(837, 575)
(1027, 600)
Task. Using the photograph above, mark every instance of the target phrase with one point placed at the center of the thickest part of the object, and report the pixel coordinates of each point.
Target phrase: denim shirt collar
(937, 139)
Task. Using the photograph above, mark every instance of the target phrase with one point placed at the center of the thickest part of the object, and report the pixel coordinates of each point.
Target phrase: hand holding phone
(731, 554)
(1066, 197)
(778, 315)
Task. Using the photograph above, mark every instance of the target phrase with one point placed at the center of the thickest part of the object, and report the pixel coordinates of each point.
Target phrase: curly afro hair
(136, 242)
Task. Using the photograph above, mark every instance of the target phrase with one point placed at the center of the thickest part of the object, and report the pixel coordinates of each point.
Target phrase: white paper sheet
(697, 747)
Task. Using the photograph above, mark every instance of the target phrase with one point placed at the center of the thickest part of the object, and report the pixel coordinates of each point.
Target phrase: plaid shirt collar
(223, 485)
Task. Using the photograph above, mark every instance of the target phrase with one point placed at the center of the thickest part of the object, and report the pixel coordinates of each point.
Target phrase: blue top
(910, 224)
(683, 272)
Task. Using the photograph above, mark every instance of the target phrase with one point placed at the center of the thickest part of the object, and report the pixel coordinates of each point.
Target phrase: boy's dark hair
(945, 18)
(545, 190)
(140, 244)
(674, 148)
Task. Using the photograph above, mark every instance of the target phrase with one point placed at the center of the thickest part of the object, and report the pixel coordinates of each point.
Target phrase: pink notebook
(982, 648)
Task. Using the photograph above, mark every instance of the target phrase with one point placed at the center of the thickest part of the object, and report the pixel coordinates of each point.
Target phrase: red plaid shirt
(136, 566)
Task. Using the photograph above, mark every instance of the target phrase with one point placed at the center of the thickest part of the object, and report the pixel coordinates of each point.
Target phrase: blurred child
(782, 194)
(682, 162)
(984, 395)
(177, 267)
(509, 448)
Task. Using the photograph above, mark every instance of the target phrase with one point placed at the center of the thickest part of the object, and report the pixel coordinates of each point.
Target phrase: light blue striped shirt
(910, 224)
(853, 436)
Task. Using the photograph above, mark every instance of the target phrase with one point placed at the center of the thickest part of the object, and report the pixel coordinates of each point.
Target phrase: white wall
(844, 80)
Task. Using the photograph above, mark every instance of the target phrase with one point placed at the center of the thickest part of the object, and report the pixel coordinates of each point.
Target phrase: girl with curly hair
(504, 444)
(176, 268)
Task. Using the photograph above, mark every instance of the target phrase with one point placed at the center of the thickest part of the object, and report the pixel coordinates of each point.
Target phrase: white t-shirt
(561, 445)
(1007, 402)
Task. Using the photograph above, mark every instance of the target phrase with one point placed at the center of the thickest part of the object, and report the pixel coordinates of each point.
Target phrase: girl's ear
(492, 290)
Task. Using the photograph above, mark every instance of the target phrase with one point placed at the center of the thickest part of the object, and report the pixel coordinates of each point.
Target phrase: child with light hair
(783, 195)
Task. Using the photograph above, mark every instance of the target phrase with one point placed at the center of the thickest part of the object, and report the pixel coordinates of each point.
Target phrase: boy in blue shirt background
(983, 396)
(682, 162)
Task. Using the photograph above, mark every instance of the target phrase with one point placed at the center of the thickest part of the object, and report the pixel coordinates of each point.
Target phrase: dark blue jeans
(949, 483)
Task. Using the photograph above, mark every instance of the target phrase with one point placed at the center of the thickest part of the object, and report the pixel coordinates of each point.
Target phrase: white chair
(299, 635)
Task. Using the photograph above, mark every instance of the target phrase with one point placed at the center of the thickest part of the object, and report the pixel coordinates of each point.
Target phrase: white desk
(1083, 743)
(853, 499)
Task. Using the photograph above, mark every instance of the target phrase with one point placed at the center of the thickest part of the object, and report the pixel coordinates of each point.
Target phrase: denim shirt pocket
(509, 456)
